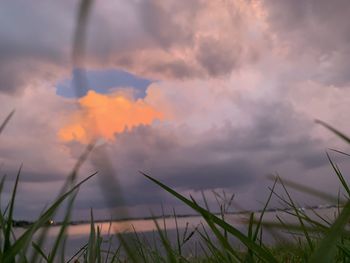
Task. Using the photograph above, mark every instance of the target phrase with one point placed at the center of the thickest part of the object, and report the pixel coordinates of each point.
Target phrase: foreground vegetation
(310, 239)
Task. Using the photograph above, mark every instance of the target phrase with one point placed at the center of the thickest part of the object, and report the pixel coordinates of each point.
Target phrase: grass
(310, 239)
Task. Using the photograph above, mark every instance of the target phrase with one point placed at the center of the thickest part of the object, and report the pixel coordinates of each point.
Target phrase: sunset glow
(103, 115)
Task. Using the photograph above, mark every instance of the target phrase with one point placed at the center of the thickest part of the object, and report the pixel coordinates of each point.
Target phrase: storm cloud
(239, 83)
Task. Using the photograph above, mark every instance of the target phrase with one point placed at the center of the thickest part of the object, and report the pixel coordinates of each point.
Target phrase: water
(78, 235)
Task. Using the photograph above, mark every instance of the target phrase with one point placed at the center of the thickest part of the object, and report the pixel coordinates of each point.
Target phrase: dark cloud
(223, 157)
(176, 69)
(161, 20)
(33, 41)
(218, 58)
(179, 40)
(32, 176)
(143, 37)
(12, 78)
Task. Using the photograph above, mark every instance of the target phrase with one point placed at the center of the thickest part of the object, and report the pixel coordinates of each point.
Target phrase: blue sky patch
(101, 81)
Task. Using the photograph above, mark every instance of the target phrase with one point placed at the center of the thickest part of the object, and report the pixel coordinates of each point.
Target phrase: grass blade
(8, 229)
(259, 251)
(27, 235)
(326, 249)
(335, 131)
(40, 251)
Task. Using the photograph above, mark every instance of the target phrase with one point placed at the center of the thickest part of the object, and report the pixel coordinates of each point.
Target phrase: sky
(204, 95)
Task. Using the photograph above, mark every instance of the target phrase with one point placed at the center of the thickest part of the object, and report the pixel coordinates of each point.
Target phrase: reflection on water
(78, 235)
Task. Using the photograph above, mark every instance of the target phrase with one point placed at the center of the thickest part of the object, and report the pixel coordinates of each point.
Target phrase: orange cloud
(104, 115)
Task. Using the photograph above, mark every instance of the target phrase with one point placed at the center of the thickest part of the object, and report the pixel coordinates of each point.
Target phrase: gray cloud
(316, 32)
(156, 39)
(33, 41)
(161, 20)
(218, 58)
(223, 157)
(144, 37)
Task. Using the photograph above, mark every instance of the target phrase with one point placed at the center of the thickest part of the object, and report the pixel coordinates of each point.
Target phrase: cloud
(217, 147)
(164, 45)
(316, 34)
(104, 115)
(154, 40)
(237, 93)
(30, 137)
(35, 42)
(191, 50)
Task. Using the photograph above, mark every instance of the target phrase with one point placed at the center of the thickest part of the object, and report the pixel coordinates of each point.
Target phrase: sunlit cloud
(105, 115)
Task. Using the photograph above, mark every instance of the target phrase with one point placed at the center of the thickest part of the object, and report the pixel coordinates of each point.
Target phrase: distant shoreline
(26, 224)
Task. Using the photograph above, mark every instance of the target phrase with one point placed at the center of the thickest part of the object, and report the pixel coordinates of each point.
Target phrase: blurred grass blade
(5, 122)
(339, 175)
(71, 180)
(64, 225)
(306, 189)
(27, 235)
(80, 30)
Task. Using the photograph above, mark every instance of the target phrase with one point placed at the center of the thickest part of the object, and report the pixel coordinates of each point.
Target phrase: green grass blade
(326, 249)
(2, 218)
(7, 241)
(39, 251)
(263, 211)
(211, 246)
(26, 236)
(129, 251)
(92, 240)
(63, 228)
(140, 247)
(259, 251)
(179, 249)
(71, 180)
(170, 253)
(341, 152)
(297, 215)
(335, 131)
(78, 252)
(223, 241)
